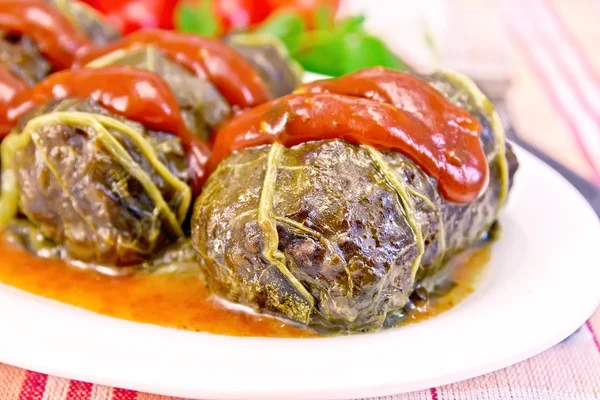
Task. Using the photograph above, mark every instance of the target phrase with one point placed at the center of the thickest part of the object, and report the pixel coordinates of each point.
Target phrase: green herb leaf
(350, 24)
(322, 52)
(323, 17)
(185, 19)
(364, 50)
(344, 49)
(331, 50)
(286, 26)
(200, 18)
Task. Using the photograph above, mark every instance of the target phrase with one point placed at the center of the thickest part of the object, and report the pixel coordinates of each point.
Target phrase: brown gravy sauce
(181, 300)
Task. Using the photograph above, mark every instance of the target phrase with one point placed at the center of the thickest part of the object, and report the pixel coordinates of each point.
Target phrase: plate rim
(350, 388)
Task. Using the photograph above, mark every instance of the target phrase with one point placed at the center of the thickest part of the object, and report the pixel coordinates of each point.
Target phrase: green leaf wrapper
(102, 187)
(337, 235)
(87, 18)
(201, 104)
(23, 59)
(270, 58)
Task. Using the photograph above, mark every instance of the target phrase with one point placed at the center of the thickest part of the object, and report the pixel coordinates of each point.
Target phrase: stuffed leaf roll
(210, 59)
(22, 59)
(87, 19)
(108, 190)
(107, 183)
(37, 37)
(54, 30)
(202, 105)
(334, 234)
(270, 58)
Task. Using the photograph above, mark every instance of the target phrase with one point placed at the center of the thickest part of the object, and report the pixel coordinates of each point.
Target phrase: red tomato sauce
(452, 136)
(10, 86)
(182, 301)
(136, 94)
(385, 109)
(55, 36)
(231, 74)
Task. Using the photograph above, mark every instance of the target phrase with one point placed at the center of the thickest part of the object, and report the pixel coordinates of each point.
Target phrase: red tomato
(261, 10)
(230, 14)
(131, 15)
(235, 13)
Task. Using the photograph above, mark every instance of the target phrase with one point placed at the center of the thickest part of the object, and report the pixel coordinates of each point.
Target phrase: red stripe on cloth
(124, 394)
(79, 390)
(593, 332)
(434, 394)
(575, 44)
(547, 85)
(33, 386)
(560, 62)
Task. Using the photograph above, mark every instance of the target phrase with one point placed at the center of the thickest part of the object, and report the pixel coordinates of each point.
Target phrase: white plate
(541, 285)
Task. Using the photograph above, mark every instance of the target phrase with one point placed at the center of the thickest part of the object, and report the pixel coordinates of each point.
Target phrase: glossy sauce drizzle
(453, 133)
(235, 78)
(55, 36)
(181, 300)
(136, 94)
(10, 86)
(405, 114)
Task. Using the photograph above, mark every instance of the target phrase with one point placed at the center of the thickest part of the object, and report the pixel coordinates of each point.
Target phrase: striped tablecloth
(554, 101)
